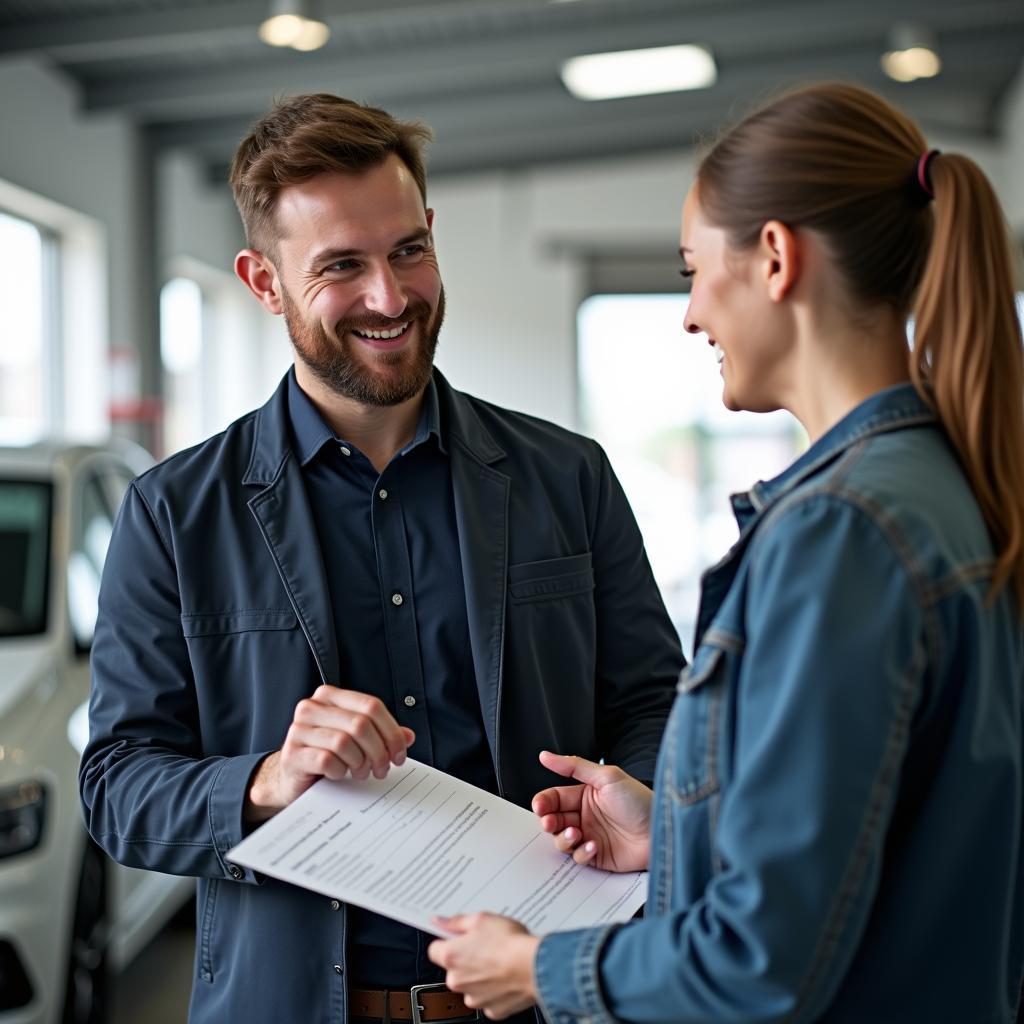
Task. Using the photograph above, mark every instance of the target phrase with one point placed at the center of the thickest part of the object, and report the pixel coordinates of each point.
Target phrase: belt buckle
(414, 995)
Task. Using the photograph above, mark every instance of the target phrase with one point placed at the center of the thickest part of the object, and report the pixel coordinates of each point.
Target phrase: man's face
(359, 282)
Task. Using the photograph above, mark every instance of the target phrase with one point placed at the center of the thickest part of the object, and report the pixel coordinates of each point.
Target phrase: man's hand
(489, 961)
(605, 822)
(334, 732)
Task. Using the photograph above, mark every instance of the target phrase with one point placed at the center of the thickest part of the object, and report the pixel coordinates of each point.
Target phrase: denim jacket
(837, 826)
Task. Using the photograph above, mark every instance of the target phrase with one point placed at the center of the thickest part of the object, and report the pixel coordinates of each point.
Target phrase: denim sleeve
(824, 698)
(151, 798)
(638, 653)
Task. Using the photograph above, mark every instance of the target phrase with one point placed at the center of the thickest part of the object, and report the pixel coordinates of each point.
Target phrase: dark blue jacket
(215, 621)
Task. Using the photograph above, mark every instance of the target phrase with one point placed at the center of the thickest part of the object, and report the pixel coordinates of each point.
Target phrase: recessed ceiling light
(605, 76)
(290, 24)
(912, 54)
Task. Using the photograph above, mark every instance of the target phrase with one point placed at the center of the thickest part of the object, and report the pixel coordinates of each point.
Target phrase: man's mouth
(387, 335)
(719, 352)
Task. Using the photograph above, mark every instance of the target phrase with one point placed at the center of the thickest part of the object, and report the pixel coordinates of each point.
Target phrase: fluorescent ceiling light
(290, 23)
(912, 53)
(606, 76)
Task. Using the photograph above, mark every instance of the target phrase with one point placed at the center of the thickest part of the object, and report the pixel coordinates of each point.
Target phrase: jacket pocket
(550, 578)
(243, 620)
(693, 735)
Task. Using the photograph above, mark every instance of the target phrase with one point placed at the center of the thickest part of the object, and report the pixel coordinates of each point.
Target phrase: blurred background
(557, 185)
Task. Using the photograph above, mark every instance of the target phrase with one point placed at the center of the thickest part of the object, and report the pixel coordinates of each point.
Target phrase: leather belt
(422, 1004)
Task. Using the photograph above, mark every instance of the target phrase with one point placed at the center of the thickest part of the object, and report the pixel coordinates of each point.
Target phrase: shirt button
(338, 969)
(235, 871)
(335, 905)
(410, 701)
(397, 599)
(345, 450)
(382, 494)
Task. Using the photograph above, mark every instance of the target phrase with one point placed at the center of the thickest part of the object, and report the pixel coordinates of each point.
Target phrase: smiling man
(370, 566)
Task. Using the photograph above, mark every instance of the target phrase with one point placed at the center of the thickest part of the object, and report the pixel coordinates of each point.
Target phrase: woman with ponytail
(837, 828)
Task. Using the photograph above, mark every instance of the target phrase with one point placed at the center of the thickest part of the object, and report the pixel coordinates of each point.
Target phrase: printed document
(420, 842)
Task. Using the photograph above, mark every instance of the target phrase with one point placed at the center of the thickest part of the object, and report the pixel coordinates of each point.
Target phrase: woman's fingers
(558, 800)
(578, 768)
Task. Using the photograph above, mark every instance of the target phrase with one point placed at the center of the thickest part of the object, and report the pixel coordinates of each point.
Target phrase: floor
(155, 987)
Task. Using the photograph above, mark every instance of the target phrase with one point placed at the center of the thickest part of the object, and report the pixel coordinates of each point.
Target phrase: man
(371, 565)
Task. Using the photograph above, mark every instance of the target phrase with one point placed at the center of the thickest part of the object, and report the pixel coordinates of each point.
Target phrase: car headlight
(22, 815)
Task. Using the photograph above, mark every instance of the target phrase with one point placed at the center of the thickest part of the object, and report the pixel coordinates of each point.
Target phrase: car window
(24, 555)
(93, 524)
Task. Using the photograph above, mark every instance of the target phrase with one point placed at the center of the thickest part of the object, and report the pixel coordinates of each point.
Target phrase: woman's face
(730, 302)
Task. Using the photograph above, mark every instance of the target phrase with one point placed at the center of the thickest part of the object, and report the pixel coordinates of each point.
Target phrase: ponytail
(967, 360)
(840, 160)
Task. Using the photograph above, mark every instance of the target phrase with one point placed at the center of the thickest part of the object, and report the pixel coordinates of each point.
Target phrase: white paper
(419, 843)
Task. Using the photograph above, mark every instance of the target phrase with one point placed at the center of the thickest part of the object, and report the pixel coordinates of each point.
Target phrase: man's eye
(342, 265)
(410, 252)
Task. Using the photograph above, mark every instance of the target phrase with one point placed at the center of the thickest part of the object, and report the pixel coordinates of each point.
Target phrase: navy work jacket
(215, 621)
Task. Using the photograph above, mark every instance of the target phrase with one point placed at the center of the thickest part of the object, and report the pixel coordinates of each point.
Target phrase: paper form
(420, 842)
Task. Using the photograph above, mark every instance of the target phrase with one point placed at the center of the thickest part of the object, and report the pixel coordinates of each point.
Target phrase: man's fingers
(365, 705)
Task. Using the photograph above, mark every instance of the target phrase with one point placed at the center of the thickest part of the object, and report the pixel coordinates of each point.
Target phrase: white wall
(509, 244)
(86, 163)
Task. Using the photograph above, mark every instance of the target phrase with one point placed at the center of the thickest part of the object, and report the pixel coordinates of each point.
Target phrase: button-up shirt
(390, 549)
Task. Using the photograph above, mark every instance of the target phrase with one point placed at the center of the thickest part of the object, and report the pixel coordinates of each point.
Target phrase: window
(181, 351)
(26, 355)
(93, 526)
(651, 395)
(25, 556)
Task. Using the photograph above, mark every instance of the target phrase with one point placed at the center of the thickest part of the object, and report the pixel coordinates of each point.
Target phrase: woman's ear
(781, 258)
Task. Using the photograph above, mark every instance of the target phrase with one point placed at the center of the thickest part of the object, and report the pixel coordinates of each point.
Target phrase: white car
(67, 913)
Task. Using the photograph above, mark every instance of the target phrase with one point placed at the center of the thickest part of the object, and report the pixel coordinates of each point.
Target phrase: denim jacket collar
(893, 408)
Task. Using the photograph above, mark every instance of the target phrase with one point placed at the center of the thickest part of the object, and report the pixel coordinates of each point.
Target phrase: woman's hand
(605, 822)
(490, 962)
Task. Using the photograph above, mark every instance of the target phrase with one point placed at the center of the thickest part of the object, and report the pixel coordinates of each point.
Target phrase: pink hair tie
(923, 181)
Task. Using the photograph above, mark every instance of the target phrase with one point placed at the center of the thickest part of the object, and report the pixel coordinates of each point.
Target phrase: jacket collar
(891, 409)
(272, 442)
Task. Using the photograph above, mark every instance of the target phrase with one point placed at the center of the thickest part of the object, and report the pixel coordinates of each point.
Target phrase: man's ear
(259, 275)
(781, 258)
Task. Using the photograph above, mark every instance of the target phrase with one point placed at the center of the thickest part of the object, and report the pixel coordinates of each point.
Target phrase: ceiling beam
(142, 32)
(511, 59)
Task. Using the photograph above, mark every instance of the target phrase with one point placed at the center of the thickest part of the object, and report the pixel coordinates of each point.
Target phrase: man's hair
(315, 134)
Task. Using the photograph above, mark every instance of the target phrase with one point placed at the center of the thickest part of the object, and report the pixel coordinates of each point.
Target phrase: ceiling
(484, 74)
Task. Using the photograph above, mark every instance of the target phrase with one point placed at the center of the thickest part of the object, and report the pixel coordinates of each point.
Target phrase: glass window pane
(181, 351)
(652, 396)
(24, 555)
(22, 353)
(85, 566)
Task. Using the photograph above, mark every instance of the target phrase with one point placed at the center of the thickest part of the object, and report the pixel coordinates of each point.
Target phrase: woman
(836, 828)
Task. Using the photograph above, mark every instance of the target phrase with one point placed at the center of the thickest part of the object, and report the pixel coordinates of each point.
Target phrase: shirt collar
(310, 433)
(891, 409)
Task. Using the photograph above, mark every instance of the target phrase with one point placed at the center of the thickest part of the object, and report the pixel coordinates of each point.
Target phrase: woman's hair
(315, 134)
(838, 159)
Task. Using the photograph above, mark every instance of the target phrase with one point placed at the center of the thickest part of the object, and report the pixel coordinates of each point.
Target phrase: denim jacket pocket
(691, 771)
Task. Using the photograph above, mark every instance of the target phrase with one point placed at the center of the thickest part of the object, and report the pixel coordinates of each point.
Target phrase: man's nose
(384, 293)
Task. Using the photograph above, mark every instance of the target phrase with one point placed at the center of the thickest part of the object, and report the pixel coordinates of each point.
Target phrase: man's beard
(334, 364)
